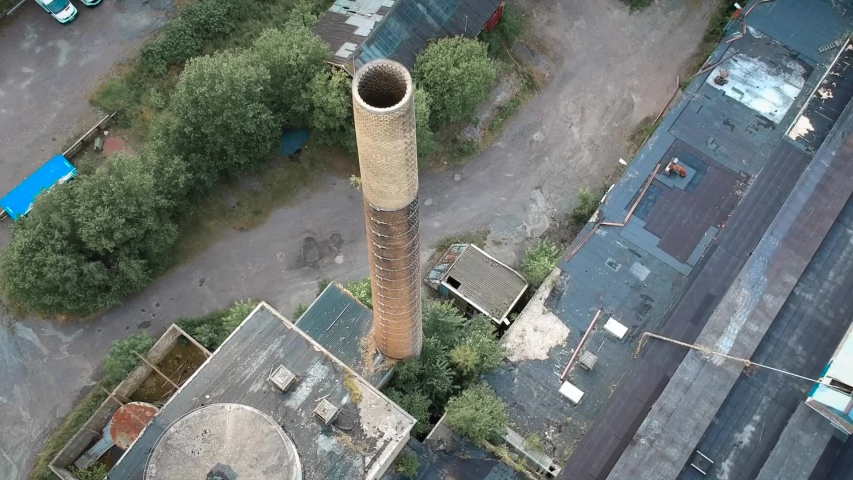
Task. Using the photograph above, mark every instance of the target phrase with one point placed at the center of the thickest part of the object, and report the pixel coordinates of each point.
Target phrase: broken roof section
(359, 31)
(343, 326)
(467, 273)
(360, 441)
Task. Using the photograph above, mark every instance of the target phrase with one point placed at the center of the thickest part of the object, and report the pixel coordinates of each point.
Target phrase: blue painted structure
(291, 141)
(19, 201)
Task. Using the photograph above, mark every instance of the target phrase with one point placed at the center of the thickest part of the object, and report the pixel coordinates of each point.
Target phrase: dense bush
(478, 414)
(587, 205)
(122, 358)
(478, 351)
(185, 36)
(418, 406)
(95, 471)
(506, 33)
(408, 465)
(330, 96)
(88, 244)
(429, 374)
(539, 261)
(212, 329)
(425, 136)
(361, 290)
(457, 74)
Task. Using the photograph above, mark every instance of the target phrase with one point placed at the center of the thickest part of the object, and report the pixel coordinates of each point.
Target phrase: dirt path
(610, 69)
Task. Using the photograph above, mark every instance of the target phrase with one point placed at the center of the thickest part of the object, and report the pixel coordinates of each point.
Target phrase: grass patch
(354, 390)
(638, 4)
(75, 419)
(642, 132)
(504, 113)
(713, 35)
(477, 238)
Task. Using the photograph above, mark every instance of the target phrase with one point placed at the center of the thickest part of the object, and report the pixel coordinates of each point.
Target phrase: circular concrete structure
(129, 421)
(224, 441)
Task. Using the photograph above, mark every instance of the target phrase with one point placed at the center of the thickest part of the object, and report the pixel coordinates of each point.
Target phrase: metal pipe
(580, 345)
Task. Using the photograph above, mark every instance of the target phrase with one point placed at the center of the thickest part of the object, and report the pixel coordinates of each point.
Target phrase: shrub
(418, 406)
(95, 471)
(587, 205)
(122, 358)
(361, 290)
(212, 329)
(426, 137)
(506, 33)
(478, 414)
(457, 74)
(539, 261)
(292, 57)
(429, 373)
(299, 311)
(479, 351)
(408, 465)
(222, 123)
(638, 4)
(443, 322)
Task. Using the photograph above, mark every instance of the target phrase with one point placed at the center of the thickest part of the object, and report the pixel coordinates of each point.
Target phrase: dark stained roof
(343, 326)
(365, 435)
(489, 285)
(365, 30)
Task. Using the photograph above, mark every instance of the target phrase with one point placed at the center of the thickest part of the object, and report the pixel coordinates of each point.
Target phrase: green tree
(236, 314)
(408, 465)
(587, 205)
(212, 329)
(292, 57)
(443, 322)
(458, 74)
(361, 290)
(429, 373)
(418, 406)
(426, 137)
(478, 414)
(330, 96)
(539, 261)
(122, 358)
(222, 123)
(479, 351)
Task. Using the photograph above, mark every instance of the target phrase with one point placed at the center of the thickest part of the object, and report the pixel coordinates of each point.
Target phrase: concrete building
(270, 403)
(477, 282)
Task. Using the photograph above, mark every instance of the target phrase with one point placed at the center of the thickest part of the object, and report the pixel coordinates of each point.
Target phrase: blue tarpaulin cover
(20, 200)
(292, 140)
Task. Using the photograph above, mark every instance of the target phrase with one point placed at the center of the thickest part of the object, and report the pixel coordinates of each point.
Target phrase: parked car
(91, 3)
(61, 10)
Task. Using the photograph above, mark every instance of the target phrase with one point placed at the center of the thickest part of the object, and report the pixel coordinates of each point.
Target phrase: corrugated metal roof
(413, 23)
(486, 282)
(397, 29)
(343, 326)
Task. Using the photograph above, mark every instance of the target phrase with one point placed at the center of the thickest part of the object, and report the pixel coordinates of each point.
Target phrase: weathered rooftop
(360, 443)
(344, 327)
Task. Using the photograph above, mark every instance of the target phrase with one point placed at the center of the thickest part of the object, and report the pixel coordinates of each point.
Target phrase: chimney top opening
(382, 84)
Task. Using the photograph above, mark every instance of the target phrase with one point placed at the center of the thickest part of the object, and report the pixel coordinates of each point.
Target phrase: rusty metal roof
(486, 283)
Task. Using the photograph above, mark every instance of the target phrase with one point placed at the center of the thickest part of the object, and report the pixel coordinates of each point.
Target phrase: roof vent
(281, 378)
(326, 411)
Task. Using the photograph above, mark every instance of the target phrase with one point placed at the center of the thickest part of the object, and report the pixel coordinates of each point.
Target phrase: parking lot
(48, 71)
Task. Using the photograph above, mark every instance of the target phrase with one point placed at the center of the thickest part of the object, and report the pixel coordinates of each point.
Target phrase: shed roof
(19, 201)
(342, 325)
(365, 30)
(366, 435)
(486, 283)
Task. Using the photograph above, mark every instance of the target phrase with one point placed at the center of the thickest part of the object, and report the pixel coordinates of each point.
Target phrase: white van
(61, 10)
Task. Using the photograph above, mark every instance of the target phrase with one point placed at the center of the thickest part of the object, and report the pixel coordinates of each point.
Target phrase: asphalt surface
(608, 69)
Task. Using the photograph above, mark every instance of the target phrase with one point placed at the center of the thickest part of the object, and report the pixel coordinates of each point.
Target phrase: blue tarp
(291, 141)
(20, 200)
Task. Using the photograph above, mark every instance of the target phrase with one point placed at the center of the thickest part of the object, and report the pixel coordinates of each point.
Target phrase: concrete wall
(91, 430)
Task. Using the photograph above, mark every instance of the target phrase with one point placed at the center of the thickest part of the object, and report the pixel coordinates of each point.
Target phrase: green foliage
(212, 329)
(95, 471)
(539, 261)
(185, 36)
(504, 113)
(429, 373)
(408, 465)
(534, 442)
(457, 74)
(443, 322)
(478, 414)
(122, 95)
(293, 57)
(88, 244)
(506, 33)
(223, 124)
(122, 358)
(426, 137)
(361, 290)
(418, 406)
(638, 4)
(299, 311)
(466, 149)
(330, 96)
(479, 351)
(587, 205)
(322, 284)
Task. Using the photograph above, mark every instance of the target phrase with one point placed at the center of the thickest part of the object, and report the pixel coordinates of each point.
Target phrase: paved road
(48, 71)
(608, 72)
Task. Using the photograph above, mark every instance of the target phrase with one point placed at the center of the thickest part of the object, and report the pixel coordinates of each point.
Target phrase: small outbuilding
(477, 282)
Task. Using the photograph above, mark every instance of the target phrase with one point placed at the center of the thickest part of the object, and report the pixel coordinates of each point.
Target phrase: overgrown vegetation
(714, 33)
(407, 465)
(455, 352)
(638, 4)
(587, 205)
(506, 33)
(539, 262)
(642, 132)
(123, 358)
(478, 414)
(299, 311)
(212, 329)
(95, 471)
(361, 290)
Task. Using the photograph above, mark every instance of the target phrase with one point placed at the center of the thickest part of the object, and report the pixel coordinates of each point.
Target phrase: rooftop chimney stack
(384, 112)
